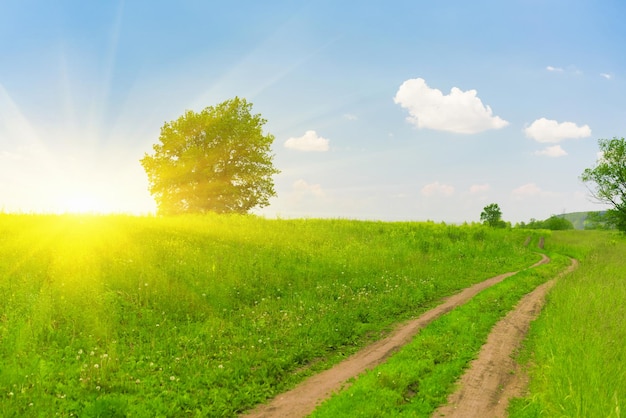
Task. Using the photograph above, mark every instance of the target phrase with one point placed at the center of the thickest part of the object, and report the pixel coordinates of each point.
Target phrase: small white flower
(221, 366)
(96, 366)
(172, 378)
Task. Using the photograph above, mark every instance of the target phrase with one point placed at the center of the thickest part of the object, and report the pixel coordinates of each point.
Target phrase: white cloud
(570, 69)
(458, 112)
(546, 130)
(530, 191)
(438, 189)
(6, 155)
(350, 116)
(310, 141)
(479, 188)
(527, 190)
(553, 151)
(302, 186)
(606, 75)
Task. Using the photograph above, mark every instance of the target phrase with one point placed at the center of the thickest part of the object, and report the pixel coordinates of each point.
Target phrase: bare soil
(302, 400)
(495, 377)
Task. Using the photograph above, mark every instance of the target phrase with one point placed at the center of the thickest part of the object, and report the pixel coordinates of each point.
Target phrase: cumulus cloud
(437, 189)
(310, 141)
(459, 112)
(554, 69)
(302, 186)
(530, 191)
(479, 188)
(606, 75)
(553, 151)
(527, 190)
(546, 130)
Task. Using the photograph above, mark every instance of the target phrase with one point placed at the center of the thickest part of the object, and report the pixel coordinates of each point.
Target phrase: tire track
(495, 377)
(303, 399)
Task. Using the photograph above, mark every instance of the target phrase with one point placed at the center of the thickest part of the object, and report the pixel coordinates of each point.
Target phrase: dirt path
(303, 399)
(495, 377)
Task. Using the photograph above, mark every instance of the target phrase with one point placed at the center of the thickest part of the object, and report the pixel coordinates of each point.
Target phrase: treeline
(554, 222)
(580, 220)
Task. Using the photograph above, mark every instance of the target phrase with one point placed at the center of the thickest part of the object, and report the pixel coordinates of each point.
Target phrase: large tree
(218, 160)
(608, 179)
(492, 216)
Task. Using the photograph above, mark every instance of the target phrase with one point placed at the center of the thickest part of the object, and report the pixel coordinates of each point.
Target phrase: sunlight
(83, 204)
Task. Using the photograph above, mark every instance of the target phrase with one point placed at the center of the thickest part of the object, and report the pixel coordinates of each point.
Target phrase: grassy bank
(576, 352)
(208, 316)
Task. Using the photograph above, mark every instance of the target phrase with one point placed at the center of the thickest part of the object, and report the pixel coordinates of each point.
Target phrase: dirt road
(495, 377)
(303, 399)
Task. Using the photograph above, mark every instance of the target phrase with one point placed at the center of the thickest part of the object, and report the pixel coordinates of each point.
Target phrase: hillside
(576, 218)
(579, 219)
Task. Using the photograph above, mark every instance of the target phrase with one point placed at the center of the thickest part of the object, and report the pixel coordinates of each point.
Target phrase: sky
(381, 110)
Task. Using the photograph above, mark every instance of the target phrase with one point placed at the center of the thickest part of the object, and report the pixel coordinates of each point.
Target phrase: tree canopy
(554, 222)
(217, 160)
(492, 216)
(608, 179)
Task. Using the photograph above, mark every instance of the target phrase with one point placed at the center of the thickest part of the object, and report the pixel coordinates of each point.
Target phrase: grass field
(420, 377)
(576, 351)
(208, 316)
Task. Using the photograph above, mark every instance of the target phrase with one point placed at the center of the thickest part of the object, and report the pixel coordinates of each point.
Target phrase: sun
(85, 204)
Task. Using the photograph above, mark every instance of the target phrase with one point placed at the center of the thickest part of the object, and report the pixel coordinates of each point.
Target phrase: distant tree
(608, 178)
(533, 224)
(492, 216)
(557, 223)
(554, 223)
(217, 160)
(598, 220)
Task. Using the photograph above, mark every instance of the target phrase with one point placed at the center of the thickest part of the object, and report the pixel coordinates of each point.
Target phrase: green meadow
(105, 316)
(576, 350)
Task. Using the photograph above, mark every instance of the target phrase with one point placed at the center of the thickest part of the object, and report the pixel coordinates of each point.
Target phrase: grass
(576, 352)
(208, 316)
(423, 373)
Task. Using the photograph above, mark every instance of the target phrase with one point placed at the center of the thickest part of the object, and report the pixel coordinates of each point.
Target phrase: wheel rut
(303, 399)
(494, 377)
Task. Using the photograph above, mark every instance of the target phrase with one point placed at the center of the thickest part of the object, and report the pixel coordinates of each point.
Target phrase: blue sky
(390, 110)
